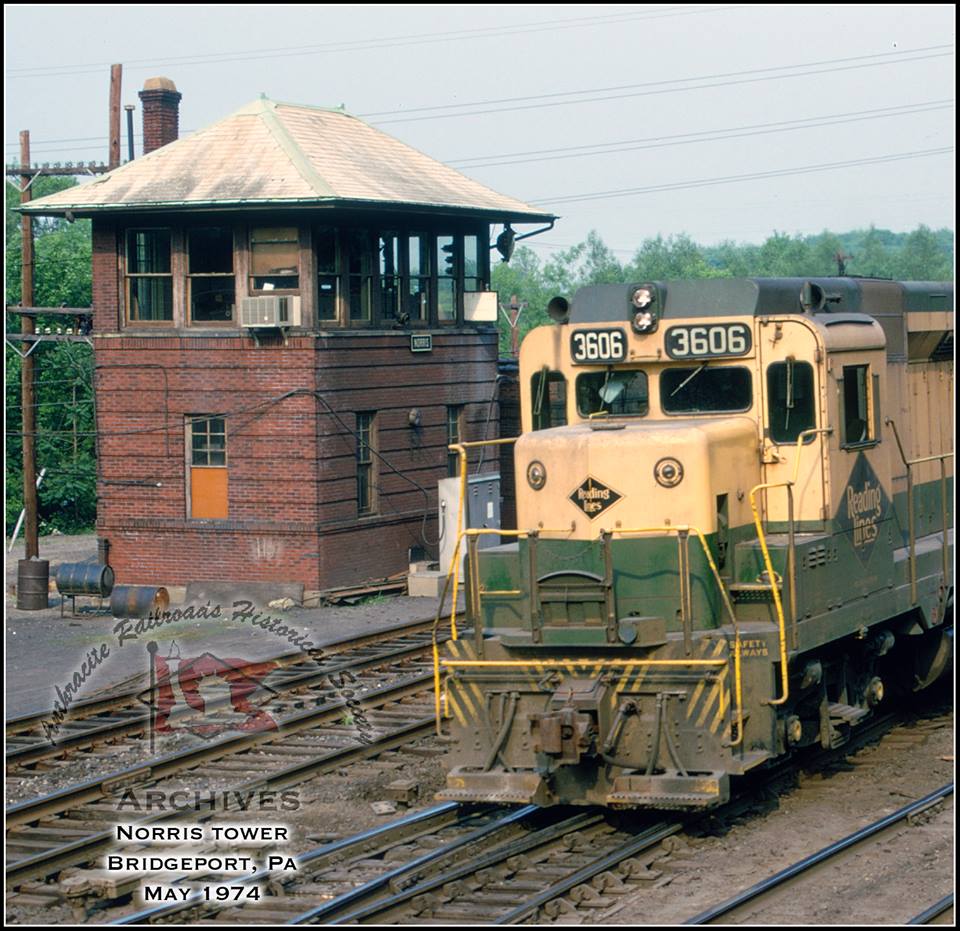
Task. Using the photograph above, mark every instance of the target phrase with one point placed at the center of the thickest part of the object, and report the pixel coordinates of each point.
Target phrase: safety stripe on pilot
(702, 684)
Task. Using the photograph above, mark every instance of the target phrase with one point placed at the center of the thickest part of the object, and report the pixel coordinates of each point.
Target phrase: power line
(701, 77)
(715, 135)
(729, 179)
(355, 45)
(660, 90)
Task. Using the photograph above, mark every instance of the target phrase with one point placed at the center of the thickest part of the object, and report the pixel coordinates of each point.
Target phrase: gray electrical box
(482, 511)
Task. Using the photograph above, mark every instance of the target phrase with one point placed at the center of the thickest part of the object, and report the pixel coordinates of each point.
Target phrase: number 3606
(598, 346)
(719, 339)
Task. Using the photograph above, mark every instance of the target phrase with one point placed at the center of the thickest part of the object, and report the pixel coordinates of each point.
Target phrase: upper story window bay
(417, 274)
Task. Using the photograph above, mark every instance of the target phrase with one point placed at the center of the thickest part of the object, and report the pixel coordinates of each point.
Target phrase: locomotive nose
(609, 474)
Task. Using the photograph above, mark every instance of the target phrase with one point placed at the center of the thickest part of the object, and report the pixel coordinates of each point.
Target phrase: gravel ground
(887, 883)
(45, 650)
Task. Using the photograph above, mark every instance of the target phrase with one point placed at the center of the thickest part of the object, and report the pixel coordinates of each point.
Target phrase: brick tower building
(292, 319)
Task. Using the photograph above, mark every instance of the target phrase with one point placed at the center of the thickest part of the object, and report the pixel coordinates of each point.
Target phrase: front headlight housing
(644, 313)
(536, 475)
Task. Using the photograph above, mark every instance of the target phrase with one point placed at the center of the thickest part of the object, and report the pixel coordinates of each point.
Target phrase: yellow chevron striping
(707, 705)
(457, 712)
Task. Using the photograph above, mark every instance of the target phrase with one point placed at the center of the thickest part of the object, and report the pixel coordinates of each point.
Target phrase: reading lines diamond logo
(593, 497)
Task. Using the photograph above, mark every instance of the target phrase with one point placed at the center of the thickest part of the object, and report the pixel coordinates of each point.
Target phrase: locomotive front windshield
(705, 390)
(620, 393)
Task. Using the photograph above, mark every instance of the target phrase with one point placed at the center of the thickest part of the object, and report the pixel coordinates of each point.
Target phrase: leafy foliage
(64, 373)
(923, 254)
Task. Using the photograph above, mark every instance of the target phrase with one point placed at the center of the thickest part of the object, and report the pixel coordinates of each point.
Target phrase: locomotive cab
(716, 543)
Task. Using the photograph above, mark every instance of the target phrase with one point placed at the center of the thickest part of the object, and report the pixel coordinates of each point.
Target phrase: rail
(472, 536)
(791, 561)
(911, 527)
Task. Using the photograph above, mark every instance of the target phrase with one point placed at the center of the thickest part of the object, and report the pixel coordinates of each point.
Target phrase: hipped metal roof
(279, 154)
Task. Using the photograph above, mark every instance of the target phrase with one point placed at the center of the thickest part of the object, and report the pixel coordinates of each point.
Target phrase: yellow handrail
(758, 523)
(461, 450)
(738, 681)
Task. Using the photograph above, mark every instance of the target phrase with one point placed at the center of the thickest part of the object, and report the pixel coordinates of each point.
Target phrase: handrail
(461, 450)
(727, 604)
(680, 530)
(791, 558)
(911, 528)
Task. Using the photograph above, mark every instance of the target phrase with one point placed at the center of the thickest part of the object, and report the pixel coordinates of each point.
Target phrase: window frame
(190, 423)
(189, 276)
(130, 321)
(366, 468)
(770, 398)
(718, 413)
(337, 275)
(541, 380)
(251, 276)
(871, 384)
(609, 370)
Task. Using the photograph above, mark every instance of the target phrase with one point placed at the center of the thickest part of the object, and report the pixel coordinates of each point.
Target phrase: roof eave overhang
(493, 214)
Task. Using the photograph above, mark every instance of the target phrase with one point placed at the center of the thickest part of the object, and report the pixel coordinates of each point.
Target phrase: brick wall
(161, 118)
(145, 390)
(292, 493)
(106, 278)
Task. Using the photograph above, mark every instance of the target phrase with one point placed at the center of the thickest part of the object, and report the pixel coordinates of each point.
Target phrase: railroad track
(73, 825)
(508, 867)
(929, 915)
(451, 863)
(108, 718)
(743, 905)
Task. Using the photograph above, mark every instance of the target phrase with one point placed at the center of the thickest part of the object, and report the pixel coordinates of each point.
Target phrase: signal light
(451, 263)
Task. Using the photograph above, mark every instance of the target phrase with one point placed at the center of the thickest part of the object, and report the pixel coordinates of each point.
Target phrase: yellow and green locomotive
(734, 509)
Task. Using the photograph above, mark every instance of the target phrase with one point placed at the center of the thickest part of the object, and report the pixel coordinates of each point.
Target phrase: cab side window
(549, 392)
(791, 400)
(857, 402)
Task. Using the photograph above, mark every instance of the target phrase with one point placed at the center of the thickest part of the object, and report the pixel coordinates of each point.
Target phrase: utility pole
(513, 318)
(28, 328)
(116, 73)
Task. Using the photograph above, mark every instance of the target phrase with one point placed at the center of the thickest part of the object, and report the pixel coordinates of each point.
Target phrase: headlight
(668, 472)
(536, 475)
(644, 316)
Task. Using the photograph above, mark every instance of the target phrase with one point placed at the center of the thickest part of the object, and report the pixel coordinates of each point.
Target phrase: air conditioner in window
(273, 311)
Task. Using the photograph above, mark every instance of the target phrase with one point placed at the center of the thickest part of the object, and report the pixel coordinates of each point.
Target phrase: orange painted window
(208, 492)
(208, 467)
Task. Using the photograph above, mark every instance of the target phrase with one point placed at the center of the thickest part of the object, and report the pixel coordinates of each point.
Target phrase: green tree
(63, 370)
(872, 257)
(921, 258)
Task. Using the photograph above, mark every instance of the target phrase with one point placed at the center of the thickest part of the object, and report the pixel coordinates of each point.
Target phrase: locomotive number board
(588, 347)
(701, 342)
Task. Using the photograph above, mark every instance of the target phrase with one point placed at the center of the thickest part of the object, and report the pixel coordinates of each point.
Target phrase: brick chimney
(161, 113)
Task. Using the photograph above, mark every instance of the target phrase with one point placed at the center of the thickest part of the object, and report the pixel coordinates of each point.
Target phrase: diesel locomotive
(734, 537)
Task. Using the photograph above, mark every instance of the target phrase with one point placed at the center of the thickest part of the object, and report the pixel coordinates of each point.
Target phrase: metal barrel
(33, 584)
(84, 578)
(138, 601)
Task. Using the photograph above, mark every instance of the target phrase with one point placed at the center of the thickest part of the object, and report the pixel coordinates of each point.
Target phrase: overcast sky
(545, 91)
